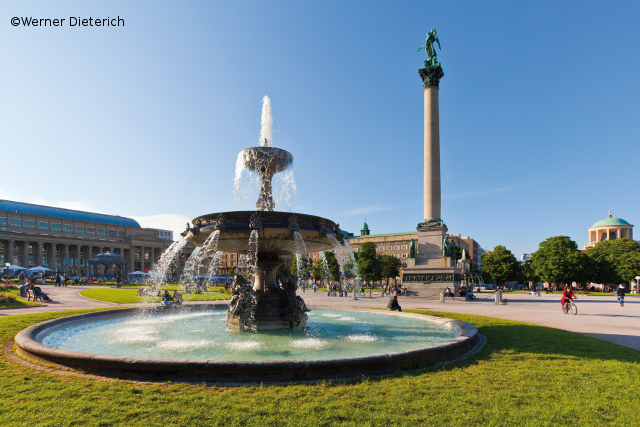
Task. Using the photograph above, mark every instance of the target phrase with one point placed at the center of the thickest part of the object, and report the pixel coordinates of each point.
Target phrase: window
(2, 259)
(42, 225)
(404, 255)
(30, 248)
(404, 247)
(45, 260)
(3, 221)
(101, 232)
(68, 228)
(79, 230)
(396, 248)
(388, 248)
(120, 233)
(356, 250)
(112, 233)
(16, 223)
(91, 231)
(56, 227)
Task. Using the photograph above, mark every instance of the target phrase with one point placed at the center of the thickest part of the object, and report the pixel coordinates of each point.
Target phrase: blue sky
(539, 110)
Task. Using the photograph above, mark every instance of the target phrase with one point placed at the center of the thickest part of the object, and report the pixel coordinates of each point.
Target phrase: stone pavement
(598, 316)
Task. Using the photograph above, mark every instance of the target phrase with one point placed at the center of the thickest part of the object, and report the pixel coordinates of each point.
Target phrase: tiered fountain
(192, 343)
(273, 305)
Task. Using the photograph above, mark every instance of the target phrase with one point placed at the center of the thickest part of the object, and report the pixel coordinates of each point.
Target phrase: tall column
(432, 193)
(142, 260)
(431, 75)
(9, 251)
(25, 254)
(39, 249)
(131, 260)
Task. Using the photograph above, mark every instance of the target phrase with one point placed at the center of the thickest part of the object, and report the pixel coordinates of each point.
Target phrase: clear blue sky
(539, 110)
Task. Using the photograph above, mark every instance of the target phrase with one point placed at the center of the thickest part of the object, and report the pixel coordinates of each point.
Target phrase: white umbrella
(138, 272)
(14, 267)
(39, 269)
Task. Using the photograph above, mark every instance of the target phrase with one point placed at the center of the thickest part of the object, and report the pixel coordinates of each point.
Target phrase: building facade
(608, 229)
(66, 240)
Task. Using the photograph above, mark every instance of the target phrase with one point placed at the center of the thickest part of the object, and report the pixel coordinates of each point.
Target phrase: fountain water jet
(270, 234)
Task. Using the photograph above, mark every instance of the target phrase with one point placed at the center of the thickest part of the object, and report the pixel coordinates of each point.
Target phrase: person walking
(620, 294)
(58, 280)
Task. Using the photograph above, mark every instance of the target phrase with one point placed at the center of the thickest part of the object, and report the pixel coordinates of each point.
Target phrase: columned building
(608, 229)
(66, 240)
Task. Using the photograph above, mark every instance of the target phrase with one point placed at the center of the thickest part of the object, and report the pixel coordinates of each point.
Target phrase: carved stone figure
(220, 223)
(412, 248)
(255, 222)
(293, 223)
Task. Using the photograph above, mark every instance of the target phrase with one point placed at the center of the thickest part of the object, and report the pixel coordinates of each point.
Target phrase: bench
(32, 296)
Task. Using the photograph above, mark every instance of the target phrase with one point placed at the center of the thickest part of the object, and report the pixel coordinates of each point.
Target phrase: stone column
(25, 254)
(9, 251)
(431, 154)
(131, 262)
(66, 261)
(39, 249)
(142, 250)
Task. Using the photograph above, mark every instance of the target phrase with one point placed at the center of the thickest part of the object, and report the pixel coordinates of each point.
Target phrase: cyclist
(567, 296)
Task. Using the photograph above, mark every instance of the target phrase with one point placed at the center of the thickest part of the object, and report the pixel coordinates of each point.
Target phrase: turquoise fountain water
(204, 335)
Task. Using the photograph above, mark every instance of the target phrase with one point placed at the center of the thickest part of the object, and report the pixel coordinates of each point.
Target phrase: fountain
(203, 343)
(264, 235)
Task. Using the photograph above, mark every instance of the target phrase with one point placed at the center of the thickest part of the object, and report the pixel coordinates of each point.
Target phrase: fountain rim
(29, 346)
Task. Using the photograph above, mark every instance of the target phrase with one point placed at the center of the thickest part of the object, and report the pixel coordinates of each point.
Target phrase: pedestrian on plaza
(21, 277)
(620, 294)
(58, 280)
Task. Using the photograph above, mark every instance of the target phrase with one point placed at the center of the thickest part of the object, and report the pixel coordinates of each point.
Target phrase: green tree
(557, 260)
(528, 272)
(305, 266)
(390, 267)
(231, 272)
(499, 266)
(616, 261)
(317, 270)
(368, 264)
(334, 267)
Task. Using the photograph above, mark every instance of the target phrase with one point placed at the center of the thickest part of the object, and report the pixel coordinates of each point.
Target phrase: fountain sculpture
(268, 304)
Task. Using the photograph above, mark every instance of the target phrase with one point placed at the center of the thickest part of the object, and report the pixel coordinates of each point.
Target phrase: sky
(539, 110)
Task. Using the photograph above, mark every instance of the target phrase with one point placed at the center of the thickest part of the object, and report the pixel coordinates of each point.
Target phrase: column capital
(431, 75)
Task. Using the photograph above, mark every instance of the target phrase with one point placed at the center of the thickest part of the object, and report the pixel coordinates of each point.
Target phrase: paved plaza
(598, 316)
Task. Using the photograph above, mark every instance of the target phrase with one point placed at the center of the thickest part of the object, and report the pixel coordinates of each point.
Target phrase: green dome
(365, 226)
(609, 221)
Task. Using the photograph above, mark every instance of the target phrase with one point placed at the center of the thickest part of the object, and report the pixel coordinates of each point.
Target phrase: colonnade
(72, 258)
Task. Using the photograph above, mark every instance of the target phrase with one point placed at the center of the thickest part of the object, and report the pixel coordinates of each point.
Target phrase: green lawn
(8, 302)
(127, 296)
(526, 375)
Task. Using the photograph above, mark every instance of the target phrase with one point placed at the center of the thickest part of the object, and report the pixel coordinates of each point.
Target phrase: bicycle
(569, 306)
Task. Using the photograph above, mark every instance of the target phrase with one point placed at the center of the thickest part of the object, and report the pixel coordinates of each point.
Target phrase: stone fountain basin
(29, 345)
(266, 160)
(275, 231)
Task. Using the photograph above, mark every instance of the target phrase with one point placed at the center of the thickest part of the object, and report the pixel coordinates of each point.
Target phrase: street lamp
(638, 286)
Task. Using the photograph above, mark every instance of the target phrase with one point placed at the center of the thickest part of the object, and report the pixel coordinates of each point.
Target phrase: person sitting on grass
(393, 304)
(167, 299)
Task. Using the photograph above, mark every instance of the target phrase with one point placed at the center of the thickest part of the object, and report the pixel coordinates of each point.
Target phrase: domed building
(608, 229)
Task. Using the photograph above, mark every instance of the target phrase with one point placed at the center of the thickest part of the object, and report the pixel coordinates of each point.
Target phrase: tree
(368, 265)
(317, 270)
(615, 261)
(305, 266)
(390, 267)
(499, 266)
(528, 272)
(231, 272)
(334, 267)
(557, 260)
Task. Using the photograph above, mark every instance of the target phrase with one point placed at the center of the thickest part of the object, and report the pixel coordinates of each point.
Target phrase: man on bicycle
(567, 296)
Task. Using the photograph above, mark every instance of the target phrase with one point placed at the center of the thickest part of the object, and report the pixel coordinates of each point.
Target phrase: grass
(9, 298)
(128, 296)
(526, 375)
